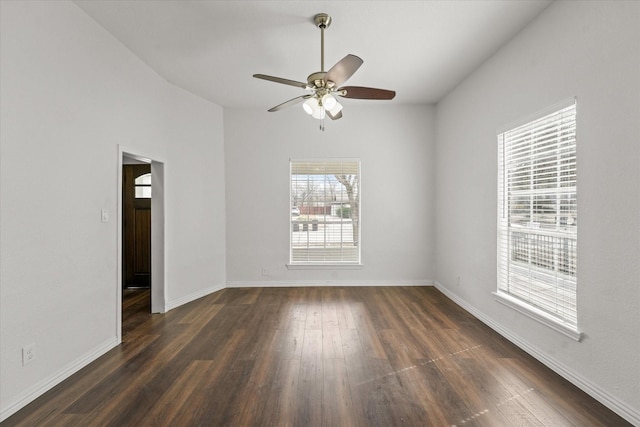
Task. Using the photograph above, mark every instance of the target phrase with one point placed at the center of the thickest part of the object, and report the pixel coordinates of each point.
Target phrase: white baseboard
(308, 283)
(193, 296)
(38, 389)
(621, 408)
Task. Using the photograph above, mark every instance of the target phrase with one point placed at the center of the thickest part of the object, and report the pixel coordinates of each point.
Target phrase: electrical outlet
(28, 354)
(265, 272)
(458, 281)
(104, 215)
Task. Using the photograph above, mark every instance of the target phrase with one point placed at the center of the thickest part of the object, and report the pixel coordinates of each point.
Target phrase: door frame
(158, 273)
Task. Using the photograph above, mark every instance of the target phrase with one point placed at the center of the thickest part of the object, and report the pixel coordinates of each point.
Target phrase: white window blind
(537, 225)
(325, 211)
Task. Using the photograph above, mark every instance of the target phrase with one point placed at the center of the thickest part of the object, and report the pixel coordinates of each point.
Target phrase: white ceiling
(420, 49)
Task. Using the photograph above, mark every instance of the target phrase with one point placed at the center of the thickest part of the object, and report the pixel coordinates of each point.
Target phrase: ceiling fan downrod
(322, 21)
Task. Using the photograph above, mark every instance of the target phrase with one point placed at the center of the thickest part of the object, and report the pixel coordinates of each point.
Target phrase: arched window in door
(143, 186)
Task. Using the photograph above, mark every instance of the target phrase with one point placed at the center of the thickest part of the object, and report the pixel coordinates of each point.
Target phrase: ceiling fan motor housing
(316, 80)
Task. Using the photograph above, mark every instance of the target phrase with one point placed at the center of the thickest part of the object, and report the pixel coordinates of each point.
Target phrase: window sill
(324, 266)
(538, 315)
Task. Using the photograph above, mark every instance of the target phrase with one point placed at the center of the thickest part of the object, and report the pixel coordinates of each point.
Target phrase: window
(325, 212)
(143, 186)
(538, 221)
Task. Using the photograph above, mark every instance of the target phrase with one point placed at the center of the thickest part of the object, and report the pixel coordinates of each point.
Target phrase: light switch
(105, 215)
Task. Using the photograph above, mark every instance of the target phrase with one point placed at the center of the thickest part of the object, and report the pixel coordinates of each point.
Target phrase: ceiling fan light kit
(324, 85)
(329, 101)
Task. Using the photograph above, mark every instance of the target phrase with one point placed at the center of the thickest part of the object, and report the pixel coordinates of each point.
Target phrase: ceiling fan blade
(336, 116)
(344, 69)
(281, 80)
(359, 92)
(289, 102)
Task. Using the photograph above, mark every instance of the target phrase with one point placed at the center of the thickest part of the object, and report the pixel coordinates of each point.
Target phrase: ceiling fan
(323, 86)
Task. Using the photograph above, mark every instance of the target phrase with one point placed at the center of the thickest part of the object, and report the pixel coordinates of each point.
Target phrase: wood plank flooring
(317, 356)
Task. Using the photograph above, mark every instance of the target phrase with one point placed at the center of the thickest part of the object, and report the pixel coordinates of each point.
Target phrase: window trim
(530, 310)
(329, 265)
(325, 266)
(535, 313)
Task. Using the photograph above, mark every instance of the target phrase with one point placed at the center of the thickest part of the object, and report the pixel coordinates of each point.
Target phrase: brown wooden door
(136, 226)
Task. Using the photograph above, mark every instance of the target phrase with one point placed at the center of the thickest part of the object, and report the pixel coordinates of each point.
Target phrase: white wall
(590, 50)
(69, 94)
(195, 205)
(395, 146)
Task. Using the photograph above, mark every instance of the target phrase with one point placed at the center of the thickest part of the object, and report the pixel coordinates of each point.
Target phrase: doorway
(136, 243)
(141, 273)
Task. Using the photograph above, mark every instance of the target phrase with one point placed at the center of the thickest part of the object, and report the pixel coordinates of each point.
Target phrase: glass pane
(544, 210)
(143, 192)
(520, 210)
(143, 179)
(520, 176)
(568, 215)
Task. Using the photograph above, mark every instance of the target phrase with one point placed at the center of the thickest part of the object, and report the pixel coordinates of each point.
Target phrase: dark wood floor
(379, 356)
